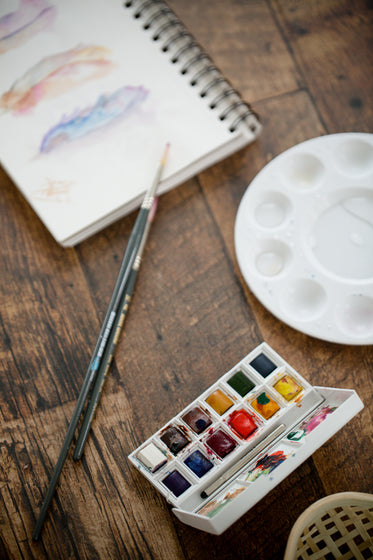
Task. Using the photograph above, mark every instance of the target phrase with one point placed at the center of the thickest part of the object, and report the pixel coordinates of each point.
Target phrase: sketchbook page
(166, 184)
(87, 102)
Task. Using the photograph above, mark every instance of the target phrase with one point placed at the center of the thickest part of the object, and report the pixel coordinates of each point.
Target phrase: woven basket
(338, 526)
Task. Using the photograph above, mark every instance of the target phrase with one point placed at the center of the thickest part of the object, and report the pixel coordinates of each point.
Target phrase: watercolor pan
(152, 457)
(265, 405)
(176, 483)
(175, 439)
(197, 419)
(241, 383)
(242, 423)
(198, 463)
(242, 436)
(219, 401)
(221, 443)
(287, 387)
(263, 365)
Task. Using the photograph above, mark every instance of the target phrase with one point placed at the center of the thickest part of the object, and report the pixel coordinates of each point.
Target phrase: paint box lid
(242, 496)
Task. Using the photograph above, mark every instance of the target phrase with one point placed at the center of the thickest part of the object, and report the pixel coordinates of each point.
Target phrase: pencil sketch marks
(31, 17)
(108, 109)
(53, 190)
(56, 74)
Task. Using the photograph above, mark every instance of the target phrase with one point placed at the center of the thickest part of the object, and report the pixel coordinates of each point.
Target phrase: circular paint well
(273, 210)
(272, 258)
(302, 171)
(354, 157)
(355, 317)
(304, 299)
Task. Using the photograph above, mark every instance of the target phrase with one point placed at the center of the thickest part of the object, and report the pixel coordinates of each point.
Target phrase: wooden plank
(332, 46)
(43, 301)
(243, 40)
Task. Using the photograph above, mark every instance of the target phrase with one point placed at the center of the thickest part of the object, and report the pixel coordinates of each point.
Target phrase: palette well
(212, 461)
(304, 237)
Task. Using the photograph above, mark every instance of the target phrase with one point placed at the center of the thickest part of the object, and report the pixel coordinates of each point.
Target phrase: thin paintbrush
(86, 386)
(125, 269)
(111, 346)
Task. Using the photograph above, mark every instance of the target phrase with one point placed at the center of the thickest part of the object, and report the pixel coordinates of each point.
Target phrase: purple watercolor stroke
(107, 109)
(31, 17)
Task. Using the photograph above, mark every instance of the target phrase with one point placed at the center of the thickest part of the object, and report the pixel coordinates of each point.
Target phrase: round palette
(304, 237)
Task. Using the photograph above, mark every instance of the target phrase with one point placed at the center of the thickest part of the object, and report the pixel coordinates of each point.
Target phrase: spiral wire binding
(165, 27)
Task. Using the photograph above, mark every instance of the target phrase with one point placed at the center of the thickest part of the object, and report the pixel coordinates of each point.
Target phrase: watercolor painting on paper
(87, 100)
(54, 75)
(108, 109)
(30, 18)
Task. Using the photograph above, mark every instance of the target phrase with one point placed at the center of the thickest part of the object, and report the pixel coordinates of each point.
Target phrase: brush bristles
(165, 153)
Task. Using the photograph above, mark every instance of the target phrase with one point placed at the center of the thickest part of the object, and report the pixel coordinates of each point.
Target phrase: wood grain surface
(306, 67)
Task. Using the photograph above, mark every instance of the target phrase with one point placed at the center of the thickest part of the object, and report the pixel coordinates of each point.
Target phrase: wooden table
(306, 67)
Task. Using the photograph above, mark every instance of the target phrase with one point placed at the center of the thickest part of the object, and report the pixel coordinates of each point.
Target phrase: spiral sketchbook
(90, 93)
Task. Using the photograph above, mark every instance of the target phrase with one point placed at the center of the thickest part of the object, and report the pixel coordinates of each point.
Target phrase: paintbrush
(112, 343)
(113, 309)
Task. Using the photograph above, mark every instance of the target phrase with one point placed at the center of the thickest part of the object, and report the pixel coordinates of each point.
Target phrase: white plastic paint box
(241, 437)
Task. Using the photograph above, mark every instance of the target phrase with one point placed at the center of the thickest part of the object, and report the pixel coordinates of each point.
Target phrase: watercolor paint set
(241, 437)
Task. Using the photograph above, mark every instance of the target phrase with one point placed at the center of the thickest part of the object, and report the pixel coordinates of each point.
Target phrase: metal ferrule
(147, 203)
(136, 264)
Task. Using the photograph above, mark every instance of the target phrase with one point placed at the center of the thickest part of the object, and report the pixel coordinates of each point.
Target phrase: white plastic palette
(304, 237)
